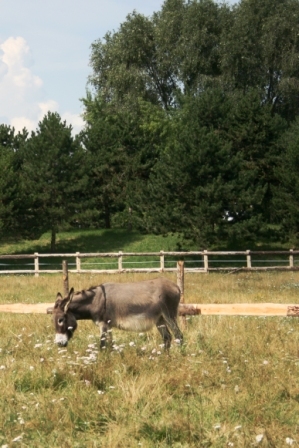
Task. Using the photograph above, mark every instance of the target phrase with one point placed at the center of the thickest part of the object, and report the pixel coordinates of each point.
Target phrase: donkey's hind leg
(165, 333)
(172, 323)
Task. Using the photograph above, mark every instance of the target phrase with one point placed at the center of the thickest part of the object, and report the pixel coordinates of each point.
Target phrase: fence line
(199, 261)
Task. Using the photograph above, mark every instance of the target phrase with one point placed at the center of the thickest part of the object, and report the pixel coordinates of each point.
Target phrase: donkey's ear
(58, 300)
(69, 299)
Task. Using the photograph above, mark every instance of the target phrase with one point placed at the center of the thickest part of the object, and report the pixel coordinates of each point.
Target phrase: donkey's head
(64, 320)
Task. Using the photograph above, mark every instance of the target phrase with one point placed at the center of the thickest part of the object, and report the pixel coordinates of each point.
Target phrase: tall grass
(233, 383)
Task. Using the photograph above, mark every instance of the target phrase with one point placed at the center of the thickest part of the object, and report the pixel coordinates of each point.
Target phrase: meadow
(234, 382)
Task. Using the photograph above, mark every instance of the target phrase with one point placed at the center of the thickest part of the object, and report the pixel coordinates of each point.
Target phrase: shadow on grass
(85, 241)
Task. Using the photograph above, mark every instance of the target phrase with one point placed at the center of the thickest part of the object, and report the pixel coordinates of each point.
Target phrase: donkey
(127, 306)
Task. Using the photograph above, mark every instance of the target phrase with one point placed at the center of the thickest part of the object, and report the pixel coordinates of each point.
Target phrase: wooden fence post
(180, 283)
(65, 278)
(36, 265)
(248, 258)
(291, 258)
(162, 261)
(120, 261)
(78, 262)
(206, 261)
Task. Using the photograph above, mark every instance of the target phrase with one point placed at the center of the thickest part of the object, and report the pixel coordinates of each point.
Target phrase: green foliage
(202, 91)
(212, 180)
(10, 144)
(50, 182)
(261, 50)
(287, 190)
(190, 127)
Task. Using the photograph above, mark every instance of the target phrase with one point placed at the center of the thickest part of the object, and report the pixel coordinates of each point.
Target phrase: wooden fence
(185, 309)
(117, 262)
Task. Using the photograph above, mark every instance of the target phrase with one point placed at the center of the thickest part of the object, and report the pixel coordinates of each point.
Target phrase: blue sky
(45, 50)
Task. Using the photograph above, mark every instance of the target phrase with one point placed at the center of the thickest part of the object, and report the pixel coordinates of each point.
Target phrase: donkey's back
(157, 291)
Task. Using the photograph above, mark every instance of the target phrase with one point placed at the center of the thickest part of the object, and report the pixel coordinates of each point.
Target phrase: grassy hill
(101, 240)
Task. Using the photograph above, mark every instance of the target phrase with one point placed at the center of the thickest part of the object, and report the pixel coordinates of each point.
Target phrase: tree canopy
(191, 126)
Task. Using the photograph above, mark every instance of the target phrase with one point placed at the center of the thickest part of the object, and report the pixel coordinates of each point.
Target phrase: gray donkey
(127, 306)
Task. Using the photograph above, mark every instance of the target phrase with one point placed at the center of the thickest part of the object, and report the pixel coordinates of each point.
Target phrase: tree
(261, 50)
(106, 163)
(176, 50)
(286, 192)
(223, 83)
(213, 180)
(10, 144)
(121, 149)
(51, 178)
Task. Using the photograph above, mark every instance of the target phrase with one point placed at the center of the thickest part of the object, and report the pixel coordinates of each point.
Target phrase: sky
(45, 51)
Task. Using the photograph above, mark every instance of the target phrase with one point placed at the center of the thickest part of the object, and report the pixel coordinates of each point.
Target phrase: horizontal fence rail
(117, 262)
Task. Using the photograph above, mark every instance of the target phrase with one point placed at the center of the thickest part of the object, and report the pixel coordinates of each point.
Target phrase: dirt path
(235, 309)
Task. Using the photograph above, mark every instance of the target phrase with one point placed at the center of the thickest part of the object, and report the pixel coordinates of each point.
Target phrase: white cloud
(20, 123)
(47, 106)
(22, 96)
(75, 120)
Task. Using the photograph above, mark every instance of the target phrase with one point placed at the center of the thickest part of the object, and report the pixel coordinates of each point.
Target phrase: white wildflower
(101, 392)
(38, 345)
(218, 426)
(289, 441)
(131, 344)
(259, 438)
(18, 438)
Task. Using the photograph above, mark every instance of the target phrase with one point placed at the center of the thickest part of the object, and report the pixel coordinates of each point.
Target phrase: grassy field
(233, 383)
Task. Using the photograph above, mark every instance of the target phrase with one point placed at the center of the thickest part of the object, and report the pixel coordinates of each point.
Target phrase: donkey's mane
(83, 291)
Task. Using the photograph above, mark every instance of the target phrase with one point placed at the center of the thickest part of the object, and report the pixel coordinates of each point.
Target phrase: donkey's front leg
(105, 333)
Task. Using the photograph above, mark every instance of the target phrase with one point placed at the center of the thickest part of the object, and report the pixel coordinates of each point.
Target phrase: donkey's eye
(60, 321)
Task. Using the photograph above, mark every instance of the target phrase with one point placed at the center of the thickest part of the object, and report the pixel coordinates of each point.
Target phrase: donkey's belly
(137, 322)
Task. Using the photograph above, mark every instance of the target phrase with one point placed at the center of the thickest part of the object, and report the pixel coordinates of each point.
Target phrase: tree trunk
(107, 217)
(53, 239)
